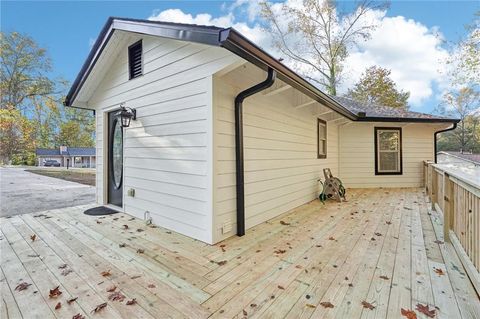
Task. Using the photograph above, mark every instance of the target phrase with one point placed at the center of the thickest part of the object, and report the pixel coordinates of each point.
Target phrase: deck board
(382, 246)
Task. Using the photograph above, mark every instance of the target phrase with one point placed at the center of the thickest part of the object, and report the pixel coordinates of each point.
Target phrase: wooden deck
(383, 247)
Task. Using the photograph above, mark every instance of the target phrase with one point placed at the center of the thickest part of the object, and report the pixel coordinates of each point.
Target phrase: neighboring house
(464, 159)
(197, 163)
(67, 156)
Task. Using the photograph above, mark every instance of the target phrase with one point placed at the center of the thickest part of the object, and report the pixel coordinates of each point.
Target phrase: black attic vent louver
(135, 60)
(362, 114)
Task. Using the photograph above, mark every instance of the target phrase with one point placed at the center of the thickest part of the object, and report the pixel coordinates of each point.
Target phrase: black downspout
(239, 145)
(435, 138)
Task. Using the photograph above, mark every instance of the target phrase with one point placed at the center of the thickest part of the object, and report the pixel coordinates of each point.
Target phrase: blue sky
(67, 29)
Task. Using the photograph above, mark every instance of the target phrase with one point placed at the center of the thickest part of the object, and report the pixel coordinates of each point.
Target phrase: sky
(412, 37)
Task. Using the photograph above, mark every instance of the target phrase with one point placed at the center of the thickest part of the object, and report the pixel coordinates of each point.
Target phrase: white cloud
(411, 50)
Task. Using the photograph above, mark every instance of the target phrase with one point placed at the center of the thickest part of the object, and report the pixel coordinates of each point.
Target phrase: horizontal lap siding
(281, 165)
(166, 150)
(357, 155)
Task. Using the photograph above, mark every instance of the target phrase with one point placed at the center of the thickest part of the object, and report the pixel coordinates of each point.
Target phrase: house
(83, 157)
(223, 136)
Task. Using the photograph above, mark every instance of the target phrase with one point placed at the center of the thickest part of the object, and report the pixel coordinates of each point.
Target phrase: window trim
(318, 138)
(130, 47)
(400, 150)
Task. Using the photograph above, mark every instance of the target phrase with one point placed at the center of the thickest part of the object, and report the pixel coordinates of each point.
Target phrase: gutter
(454, 126)
(239, 157)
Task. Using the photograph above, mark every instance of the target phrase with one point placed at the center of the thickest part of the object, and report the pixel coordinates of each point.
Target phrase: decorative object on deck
(126, 115)
(100, 211)
(332, 187)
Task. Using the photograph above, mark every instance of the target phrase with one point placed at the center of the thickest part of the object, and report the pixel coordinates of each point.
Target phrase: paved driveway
(23, 192)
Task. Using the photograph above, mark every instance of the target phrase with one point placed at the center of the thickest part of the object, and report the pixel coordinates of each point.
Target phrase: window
(321, 139)
(135, 67)
(388, 151)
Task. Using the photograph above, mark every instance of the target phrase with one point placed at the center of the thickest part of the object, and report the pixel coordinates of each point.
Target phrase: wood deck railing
(458, 197)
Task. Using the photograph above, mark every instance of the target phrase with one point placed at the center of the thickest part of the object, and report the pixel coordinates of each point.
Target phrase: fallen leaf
(309, 305)
(66, 272)
(69, 301)
(384, 277)
(331, 238)
(22, 286)
(425, 310)
(378, 234)
(117, 296)
(253, 305)
(367, 305)
(244, 312)
(373, 239)
(99, 222)
(439, 271)
(131, 302)
(106, 273)
(280, 251)
(99, 307)
(111, 288)
(33, 237)
(151, 286)
(62, 266)
(284, 223)
(326, 304)
(125, 226)
(438, 242)
(140, 251)
(298, 267)
(281, 287)
(122, 245)
(409, 313)
(78, 316)
(135, 277)
(388, 222)
(221, 263)
(55, 292)
(58, 305)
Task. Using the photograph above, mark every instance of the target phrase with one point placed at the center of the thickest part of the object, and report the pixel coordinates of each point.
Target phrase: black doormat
(99, 211)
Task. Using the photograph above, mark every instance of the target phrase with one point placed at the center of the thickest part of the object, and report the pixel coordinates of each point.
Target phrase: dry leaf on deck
(151, 286)
(221, 263)
(309, 305)
(331, 238)
(438, 242)
(425, 310)
(298, 266)
(78, 316)
(55, 292)
(33, 237)
(22, 286)
(125, 226)
(66, 272)
(62, 266)
(439, 271)
(58, 305)
(131, 302)
(245, 313)
(326, 304)
(106, 273)
(280, 251)
(111, 288)
(367, 305)
(69, 301)
(284, 223)
(98, 222)
(388, 222)
(409, 313)
(122, 245)
(117, 296)
(384, 277)
(281, 287)
(140, 251)
(99, 307)
(378, 234)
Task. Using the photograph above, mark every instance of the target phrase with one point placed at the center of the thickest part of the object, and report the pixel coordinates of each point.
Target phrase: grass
(72, 175)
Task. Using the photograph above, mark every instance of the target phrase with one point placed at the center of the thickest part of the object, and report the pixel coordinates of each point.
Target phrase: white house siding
(281, 165)
(167, 150)
(357, 155)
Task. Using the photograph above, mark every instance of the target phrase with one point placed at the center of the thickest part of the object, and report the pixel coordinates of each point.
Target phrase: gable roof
(71, 151)
(233, 41)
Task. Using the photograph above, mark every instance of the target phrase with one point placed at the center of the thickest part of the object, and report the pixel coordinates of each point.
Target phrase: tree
(316, 35)
(23, 72)
(462, 104)
(16, 135)
(72, 135)
(376, 87)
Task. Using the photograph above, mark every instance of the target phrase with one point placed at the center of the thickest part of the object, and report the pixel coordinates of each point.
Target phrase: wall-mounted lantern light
(126, 114)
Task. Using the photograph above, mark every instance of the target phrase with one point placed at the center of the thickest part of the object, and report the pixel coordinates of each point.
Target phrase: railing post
(433, 185)
(448, 206)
